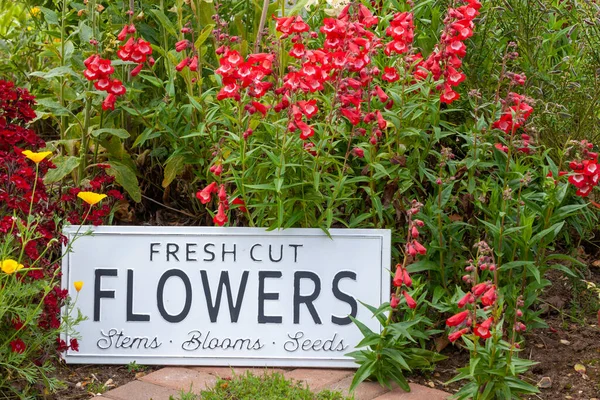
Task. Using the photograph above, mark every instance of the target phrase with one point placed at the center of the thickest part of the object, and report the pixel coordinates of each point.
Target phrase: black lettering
(98, 293)
(209, 252)
(306, 299)
(228, 252)
(172, 253)
(130, 315)
(293, 344)
(188, 251)
(262, 296)
(295, 246)
(161, 300)
(344, 297)
(213, 308)
(152, 251)
(252, 252)
(271, 254)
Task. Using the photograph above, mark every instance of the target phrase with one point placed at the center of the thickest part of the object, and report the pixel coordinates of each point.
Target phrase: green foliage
(493, 371)
(269, 386)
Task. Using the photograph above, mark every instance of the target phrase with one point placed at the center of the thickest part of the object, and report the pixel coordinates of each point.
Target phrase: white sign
(225, 296)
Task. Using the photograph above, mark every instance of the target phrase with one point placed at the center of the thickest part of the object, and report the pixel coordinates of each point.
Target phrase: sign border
(69, 231)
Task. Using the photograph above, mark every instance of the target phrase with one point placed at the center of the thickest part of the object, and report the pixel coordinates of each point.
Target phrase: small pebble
(545, 383)
(565, 342)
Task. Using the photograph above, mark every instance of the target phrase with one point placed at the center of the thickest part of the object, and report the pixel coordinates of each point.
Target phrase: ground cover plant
(466, 127)
(269, 386)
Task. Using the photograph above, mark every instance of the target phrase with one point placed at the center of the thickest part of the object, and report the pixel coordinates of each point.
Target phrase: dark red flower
(18, 346)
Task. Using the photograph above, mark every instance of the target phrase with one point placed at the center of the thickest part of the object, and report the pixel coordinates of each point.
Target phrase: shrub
(30, 246)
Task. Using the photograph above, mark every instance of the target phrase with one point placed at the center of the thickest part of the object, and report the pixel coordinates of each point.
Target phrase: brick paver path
(161, 384)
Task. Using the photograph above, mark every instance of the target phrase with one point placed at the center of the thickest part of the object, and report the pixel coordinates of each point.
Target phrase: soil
(84, 381)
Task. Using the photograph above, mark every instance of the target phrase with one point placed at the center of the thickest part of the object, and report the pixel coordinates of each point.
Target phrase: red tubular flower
(419, 247)
(390, 74)
(309, 108)
(123, 34)
(483, 330)
(456, 335)
(394, 301)
(261, 108)
(182, 64)
(220, 217)
(398, 278)
(74, 344)
(480, 288)
(410, 302)
(109, 102)
(222, 193)
(18, 346)
(194, 64)
(182, 45)
(242, 205)
(117, 88)
(137, 70)
(205, 194)
(457, 319)
(467, 298)
(358, 152)
(406, 278)
(489, 297)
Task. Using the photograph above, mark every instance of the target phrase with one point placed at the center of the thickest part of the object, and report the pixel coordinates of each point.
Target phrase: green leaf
(50, 16)
(54, 72)
(174, 166)
(206, 31)
(126, 177)
(64, 166)
(362, 373)
(165, 22)
(120, 133)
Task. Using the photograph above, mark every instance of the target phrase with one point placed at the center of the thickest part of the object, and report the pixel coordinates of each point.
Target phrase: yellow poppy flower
(36, 157)
(90, 197)
(9, 266)
(78, 285)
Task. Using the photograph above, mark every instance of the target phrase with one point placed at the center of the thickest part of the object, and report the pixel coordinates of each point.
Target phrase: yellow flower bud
(78, 285)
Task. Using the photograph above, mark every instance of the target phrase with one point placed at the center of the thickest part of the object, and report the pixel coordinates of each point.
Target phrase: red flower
(448, 96)
(390, 74)
(309, 108)
(109, 102)
(489, 297)
(394, 301)
(480, 288)
(182, 64)
(220, 217)
(205, 194)
(398, 278)
(457, 319)
(483, 330)
(467, 298)
(410, 302)
(419, 247)
(241, 204)
(182, 45)
(454, 336)
(358, 152)
(74, 344)
(18, 346)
